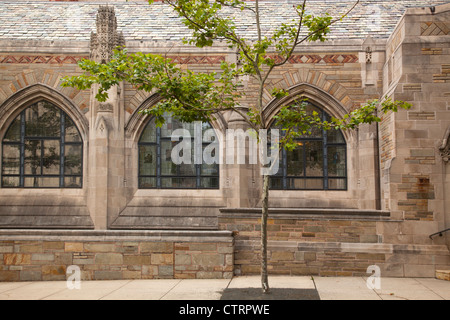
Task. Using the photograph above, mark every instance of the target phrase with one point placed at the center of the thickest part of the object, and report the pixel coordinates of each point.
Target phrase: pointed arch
(12, 106)
(136, 123)
(316, 96)
(50, 78)
(296, 79)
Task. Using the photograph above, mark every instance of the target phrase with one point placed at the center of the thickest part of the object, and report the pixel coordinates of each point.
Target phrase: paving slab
(238, 288)
(406, 289)
(344, 288)
(201, 289)
(143, 290)
(34, 290)
(440, 287)
(8, 286)
(89, 290)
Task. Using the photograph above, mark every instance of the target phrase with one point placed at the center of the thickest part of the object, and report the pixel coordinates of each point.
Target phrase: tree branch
(222, 2)
(331, 23)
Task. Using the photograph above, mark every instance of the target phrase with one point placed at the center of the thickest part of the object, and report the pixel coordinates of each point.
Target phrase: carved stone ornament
(105, 107)
(107, 37)
(444, 150)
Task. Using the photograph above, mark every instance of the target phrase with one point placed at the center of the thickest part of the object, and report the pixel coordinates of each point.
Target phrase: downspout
(377, 166)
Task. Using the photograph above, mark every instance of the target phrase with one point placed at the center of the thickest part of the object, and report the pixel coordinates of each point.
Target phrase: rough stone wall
(302, 229)
(341, 259)
(138, 258)
(330, 247)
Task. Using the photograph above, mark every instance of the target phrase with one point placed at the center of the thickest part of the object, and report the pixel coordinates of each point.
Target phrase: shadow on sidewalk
(274, 294)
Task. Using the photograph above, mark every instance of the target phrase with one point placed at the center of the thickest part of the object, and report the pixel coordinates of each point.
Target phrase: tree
(193, 96)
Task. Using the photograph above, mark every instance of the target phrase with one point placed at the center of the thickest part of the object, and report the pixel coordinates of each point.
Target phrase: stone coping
(306, 213)
(386, 248)
(117, 235)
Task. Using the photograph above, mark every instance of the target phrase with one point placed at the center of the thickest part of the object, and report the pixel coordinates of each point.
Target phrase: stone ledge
(117, 235)
(375, 248)
(306, 213)
(349, 247)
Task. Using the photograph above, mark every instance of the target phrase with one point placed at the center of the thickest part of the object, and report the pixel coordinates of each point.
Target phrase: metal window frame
(61, 176)
(324, 139)
(158, 177)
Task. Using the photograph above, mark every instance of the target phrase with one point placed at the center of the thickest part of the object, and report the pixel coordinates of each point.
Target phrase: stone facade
(397, 174)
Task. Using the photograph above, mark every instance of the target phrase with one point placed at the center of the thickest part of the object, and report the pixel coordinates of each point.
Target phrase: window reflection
(156, 168)
(42, 148)
(317, 163)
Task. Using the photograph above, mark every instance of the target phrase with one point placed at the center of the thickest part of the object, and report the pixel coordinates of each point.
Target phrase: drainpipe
(377, 166)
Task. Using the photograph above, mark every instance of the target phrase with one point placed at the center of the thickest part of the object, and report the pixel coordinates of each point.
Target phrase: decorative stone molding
(107, 37)
(431, 28)
(105, 107)
(202, 59)
(318, 58)
(369, 55)
(40, 59)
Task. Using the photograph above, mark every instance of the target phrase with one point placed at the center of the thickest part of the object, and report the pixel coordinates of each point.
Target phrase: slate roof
(27, 20)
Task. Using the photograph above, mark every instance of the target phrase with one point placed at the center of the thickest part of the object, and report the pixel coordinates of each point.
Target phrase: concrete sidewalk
(238, 288)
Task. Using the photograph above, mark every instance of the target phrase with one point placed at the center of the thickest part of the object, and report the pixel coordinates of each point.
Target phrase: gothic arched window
(318, 163)
(42, 148)
(156, 166)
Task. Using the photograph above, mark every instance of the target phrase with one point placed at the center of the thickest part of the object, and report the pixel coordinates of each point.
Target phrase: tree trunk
(265, 213)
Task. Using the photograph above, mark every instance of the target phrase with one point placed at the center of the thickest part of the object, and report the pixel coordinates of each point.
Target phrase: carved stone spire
(107, 37)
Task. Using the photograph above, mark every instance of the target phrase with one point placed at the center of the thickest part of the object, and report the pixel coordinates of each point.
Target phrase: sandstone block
(109, 258)
(9, 275)
(162, 259)
(99, 247)
(43, 257)
(136, 259)
(282, 255)
(107, 275)
(156, 247)
(165, 271)
(16, 259)
(443, 275)
(73, 247)
(53, 273)
(182, 259)
(208, 259)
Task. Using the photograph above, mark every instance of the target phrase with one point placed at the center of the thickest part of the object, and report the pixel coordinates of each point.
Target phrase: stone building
(90, 184)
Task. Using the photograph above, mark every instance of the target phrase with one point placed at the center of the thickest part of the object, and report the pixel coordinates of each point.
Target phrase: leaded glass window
(156, 168)
(42, 148)
(318, 163)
